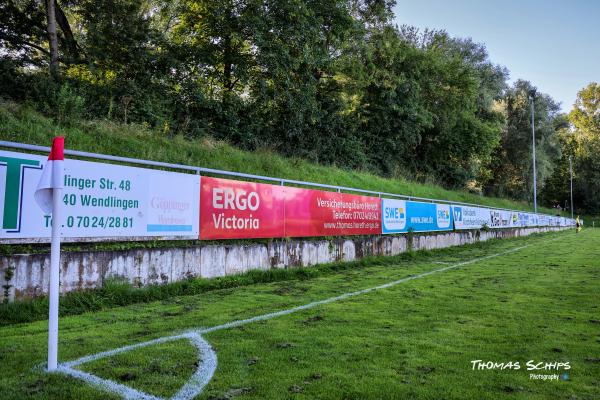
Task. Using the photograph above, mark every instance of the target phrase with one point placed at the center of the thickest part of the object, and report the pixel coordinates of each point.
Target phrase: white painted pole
(533, 152)
(571, 171)
(54, 281)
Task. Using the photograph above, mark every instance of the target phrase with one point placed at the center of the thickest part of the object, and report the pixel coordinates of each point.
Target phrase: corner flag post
(48, 197)
(54, 281)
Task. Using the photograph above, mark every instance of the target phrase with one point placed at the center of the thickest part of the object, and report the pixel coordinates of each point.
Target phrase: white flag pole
(54, 280)
(48, 197)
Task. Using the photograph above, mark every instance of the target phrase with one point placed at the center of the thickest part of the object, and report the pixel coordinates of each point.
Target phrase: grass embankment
(415, 340)
(21, 124)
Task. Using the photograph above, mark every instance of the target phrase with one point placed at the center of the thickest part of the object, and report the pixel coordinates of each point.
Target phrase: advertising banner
(320, 213)
(525, 219)
(241, 210)
(466, 217)
(401, 216)
(518, 219)
(235, 210)
(99, 200)
(534, 219)
(113, 201)
(500, 219)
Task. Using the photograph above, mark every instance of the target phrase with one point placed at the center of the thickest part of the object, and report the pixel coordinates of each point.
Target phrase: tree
(333, 81)
(584, 142)
(23, 35)
(511, 165)
(52, 38)
(585, 115)
(29, 34)
(458, 86)
(391, 110)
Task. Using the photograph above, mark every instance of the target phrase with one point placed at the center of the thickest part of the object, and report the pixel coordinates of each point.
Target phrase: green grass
(149, 369)
(116, 293)
(591, 221)
(414, 340)
(21, 124)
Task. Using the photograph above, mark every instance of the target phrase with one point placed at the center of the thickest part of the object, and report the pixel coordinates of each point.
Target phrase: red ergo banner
(320, 213)
(233, 209)
(241, 210)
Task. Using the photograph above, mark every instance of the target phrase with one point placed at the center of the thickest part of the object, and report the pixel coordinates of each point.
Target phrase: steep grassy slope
(21, 124)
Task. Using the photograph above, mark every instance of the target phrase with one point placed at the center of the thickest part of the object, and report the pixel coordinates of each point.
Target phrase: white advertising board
(500, 219)
(466, 217)
(99, 200)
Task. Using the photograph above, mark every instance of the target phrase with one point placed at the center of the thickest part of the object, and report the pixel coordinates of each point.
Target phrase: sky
(554, 44)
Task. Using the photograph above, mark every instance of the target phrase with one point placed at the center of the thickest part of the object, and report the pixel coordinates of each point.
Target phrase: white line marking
(206, 369)
(203, 374)
(110, 386)
(110, 353)
(208, 359)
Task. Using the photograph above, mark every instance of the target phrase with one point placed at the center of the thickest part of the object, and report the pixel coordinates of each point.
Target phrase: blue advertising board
(401, 216)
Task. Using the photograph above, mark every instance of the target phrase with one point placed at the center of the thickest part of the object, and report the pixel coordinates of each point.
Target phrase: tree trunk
(65, 27)
(52, 38)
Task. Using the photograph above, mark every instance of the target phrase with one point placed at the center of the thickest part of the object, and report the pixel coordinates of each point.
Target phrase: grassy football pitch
(497, 302)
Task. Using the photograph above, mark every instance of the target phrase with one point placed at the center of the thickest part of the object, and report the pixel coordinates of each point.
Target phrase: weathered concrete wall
(89, 269)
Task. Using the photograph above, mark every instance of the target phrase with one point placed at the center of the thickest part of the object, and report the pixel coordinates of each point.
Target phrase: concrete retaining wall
(89, 269)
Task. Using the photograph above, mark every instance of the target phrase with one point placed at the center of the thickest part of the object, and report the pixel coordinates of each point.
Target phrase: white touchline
(208, 358)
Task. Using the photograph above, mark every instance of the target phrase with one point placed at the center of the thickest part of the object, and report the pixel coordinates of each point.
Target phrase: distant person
(558, 210)
(577, 224)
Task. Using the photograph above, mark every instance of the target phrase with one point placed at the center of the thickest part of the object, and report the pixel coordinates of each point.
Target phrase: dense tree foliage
(580, 141)
(333, 81)
(512, 166)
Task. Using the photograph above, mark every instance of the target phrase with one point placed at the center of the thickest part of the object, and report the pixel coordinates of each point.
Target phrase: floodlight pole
(571, 172)
(532, 96)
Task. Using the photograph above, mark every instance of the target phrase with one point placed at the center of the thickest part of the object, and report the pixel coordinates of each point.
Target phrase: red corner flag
(47, 195)
(52, 175)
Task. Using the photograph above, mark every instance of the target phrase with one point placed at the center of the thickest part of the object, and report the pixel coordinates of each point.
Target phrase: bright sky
(552, 43)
